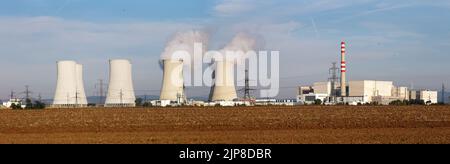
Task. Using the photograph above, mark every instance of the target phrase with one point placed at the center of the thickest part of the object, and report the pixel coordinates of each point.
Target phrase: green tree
(28, 104)
(138, 102)
(16, 106)
(318, 102)
(397, 102)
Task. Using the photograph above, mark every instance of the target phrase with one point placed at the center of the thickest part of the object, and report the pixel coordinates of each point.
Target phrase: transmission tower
(101, 91)
(443, 93)
(121, 96)
(27, 92)
(247, 89)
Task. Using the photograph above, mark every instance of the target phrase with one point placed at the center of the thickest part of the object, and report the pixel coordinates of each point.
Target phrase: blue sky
(404, 41)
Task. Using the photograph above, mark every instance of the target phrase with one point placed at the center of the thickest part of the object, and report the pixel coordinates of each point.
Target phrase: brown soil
(303, 124)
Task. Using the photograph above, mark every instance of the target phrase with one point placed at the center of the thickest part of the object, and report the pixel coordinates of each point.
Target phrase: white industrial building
(13, 102)
(358, 92)
(70, 88)
(120, 90)
(369, 89)
(429, 97)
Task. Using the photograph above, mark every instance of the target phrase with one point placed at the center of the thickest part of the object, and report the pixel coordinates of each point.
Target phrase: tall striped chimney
(343, 71)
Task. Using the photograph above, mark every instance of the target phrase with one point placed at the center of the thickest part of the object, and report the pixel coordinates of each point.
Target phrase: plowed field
(272, 125)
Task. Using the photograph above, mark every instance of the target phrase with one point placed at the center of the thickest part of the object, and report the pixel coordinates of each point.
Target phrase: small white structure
(226, 103)
(15, 102)
(311, 98)
(161, 103)
(120, 90)
(69, 89)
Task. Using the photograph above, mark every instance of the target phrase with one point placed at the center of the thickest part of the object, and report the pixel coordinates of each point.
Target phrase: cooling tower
(224, 89)
(69, 85)
(173, 81)
(81, 95)
(120, 90)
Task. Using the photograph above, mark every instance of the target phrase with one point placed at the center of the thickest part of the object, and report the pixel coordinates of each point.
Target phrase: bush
(397, 102)
(318, 102)
(16, 106)
(138, 102)
(38, 105)
(147, 104)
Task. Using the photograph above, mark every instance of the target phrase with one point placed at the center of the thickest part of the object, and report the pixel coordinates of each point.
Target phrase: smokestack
(69, 86)
(224, 89)
(120, 90)
(173, 81)
(343, 71)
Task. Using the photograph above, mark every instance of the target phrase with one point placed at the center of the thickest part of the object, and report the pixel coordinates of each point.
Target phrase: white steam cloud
(241, 42)
(184, 41)
(240, 47)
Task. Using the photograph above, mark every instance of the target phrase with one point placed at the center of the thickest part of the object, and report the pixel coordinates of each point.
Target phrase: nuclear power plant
(224, 88)
(70, 91)
(173, 81)
(69, 86)
(120, 90)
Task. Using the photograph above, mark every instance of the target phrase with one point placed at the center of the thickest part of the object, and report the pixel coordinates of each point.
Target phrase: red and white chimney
(343, 70)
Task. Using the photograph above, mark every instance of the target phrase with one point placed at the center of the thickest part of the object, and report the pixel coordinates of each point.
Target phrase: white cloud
(32, 45)
(235, 7)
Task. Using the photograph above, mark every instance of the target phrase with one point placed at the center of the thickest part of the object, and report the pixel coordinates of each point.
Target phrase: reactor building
(359, 92)
(69, 86)
(120, 89)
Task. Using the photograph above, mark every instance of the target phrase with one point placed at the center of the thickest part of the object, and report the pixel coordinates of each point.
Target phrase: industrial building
(362, 92)
(69, 87)
(359, 92)
(11, 102)
(120, 90)
(427, 96)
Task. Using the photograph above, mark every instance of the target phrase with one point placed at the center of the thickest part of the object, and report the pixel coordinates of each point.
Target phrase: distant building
(358, 92)
(15, 102)
(311, 98)
(429, 97)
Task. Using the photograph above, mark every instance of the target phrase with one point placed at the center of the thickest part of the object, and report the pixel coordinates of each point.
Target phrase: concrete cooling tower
(173, 81)
(120, 90)
(80, 85)
(69, 88)
(224, 89)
